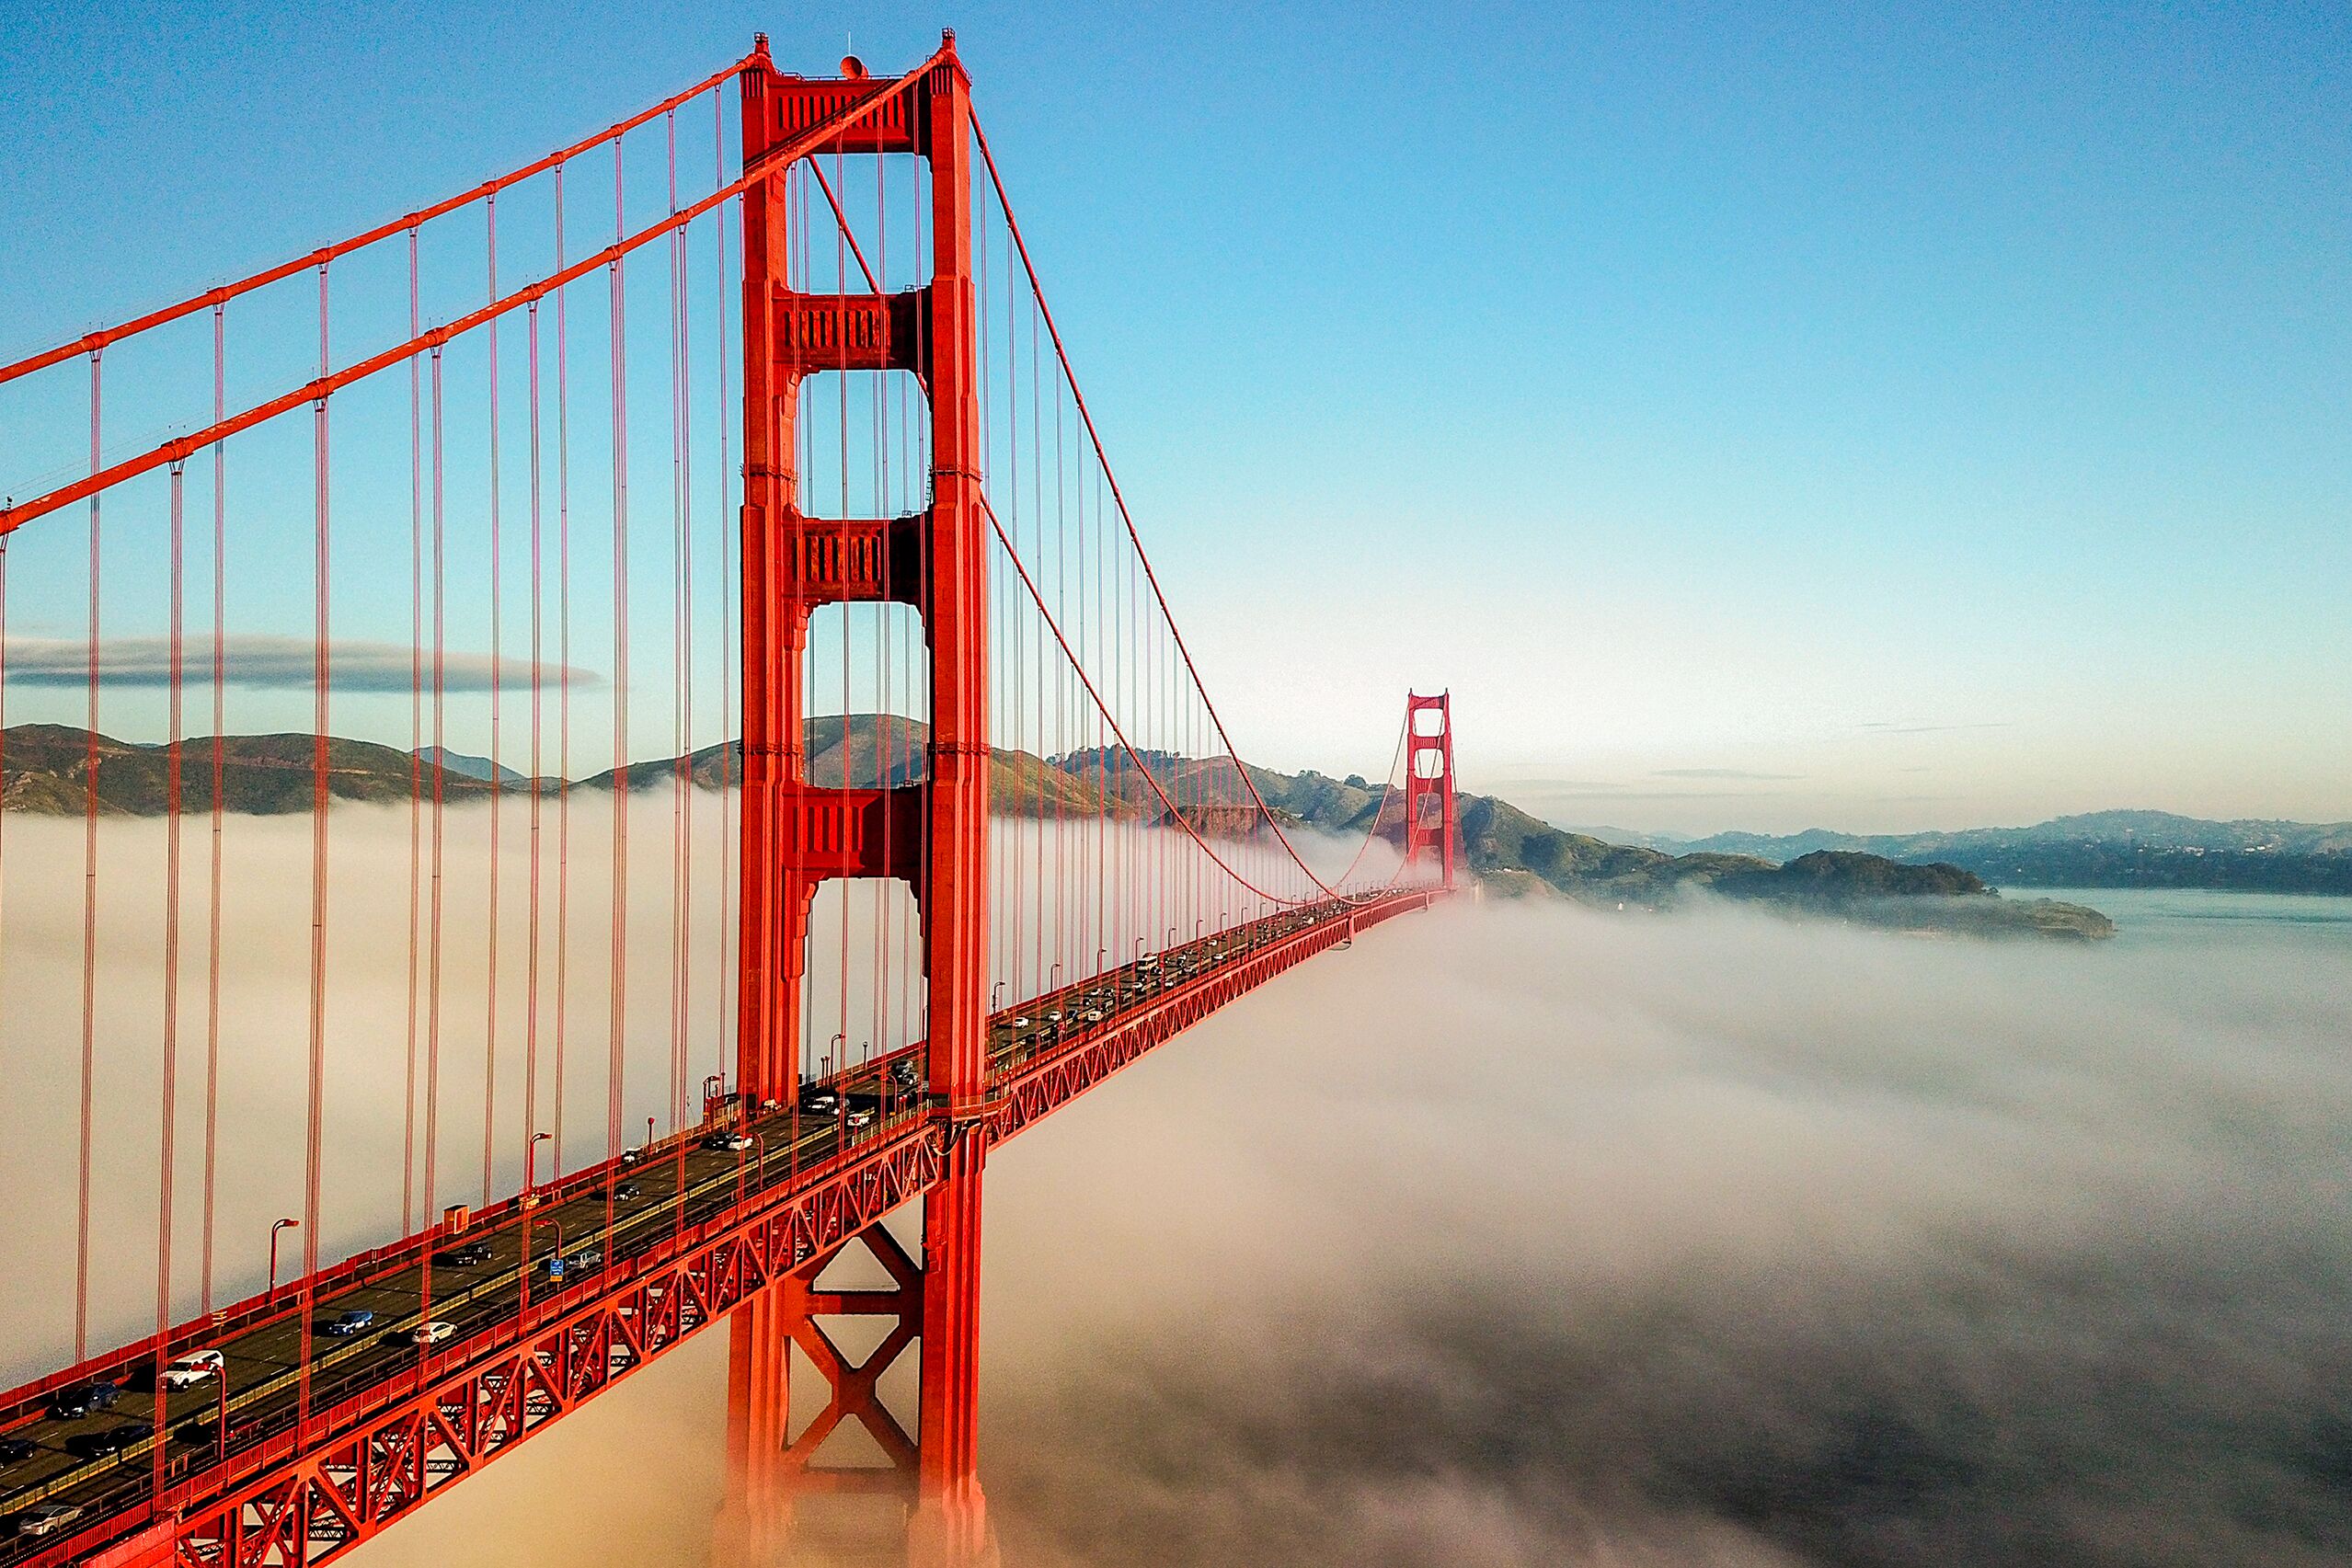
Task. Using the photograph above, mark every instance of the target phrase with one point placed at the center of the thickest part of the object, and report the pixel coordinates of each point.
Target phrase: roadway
(609, 1211)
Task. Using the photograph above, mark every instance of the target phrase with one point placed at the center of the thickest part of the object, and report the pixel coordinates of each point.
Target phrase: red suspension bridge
(983, 840)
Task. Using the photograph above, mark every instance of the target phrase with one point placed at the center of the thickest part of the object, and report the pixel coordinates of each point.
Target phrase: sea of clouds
(1530, 1235)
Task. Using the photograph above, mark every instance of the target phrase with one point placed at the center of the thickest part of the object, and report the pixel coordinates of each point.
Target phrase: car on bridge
(104, 1442)
(44, 1518)
(727, 1141)
(627, 1191)
(818, 1100)
(348, 1325)
(17, 1450)
(78, 1401)
(187, 1370)
(465, 1255)
(433, 1332)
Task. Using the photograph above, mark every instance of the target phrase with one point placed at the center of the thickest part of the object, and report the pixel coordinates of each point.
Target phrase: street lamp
(529, 1226)
(841, 1040)
(996, 996)
(289, 1224)
(531, 1160)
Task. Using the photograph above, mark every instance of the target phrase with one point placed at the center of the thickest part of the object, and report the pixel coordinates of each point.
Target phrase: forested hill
(45, 769)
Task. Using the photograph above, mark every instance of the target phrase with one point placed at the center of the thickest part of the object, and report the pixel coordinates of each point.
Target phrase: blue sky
(1759, 417)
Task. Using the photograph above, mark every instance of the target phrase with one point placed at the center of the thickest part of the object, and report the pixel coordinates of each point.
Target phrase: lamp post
(287, 1224)
(529, 1226)
(831, 1057)
(530, 1163)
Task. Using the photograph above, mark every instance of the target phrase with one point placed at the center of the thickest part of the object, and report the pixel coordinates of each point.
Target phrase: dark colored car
(627, 1192)
(105, 1441)
(466, 1254)
(74, 1402)
(902, 1072)
(348, 1324)
(17, 1450)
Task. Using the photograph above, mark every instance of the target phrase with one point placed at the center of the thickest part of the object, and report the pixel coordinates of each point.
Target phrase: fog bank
(1508, 1237)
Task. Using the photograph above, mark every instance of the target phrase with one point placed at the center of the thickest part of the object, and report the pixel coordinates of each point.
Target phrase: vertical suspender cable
(168, 1124)
(678, 660)
(615, 1022)
(848, 749)
(686, 621)
(725, 530)
(416, 741)
(531, 979)
(220, 709)
(319, 675)
(89, 915)
(721, 946)
(562, 683)
(439, 796)
(498, 654)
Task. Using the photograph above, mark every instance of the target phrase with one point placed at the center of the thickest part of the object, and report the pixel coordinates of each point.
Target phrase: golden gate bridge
(981, 838)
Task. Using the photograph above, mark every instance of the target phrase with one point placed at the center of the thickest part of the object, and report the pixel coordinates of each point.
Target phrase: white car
(431, 1334)
(187, 1370)
(728, 1142)
(45, 1518)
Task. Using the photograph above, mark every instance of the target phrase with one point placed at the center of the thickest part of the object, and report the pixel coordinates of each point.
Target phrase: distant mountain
(2104, 849)
(471, 767)
(1517, 855)
(45, 769)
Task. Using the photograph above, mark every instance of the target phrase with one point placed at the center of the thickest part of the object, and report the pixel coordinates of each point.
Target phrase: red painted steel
(799, 834)
(371, 1454)
(362, 1448)
(1429, 797)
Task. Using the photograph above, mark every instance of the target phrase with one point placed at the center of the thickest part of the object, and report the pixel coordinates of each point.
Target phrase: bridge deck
(682, 1188)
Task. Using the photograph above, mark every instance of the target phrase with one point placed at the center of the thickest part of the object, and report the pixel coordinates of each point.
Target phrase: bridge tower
(931, 835)
(1428, 781)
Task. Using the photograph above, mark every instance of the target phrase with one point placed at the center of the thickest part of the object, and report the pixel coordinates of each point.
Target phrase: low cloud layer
(1543, 1238)
(1533, 1236)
